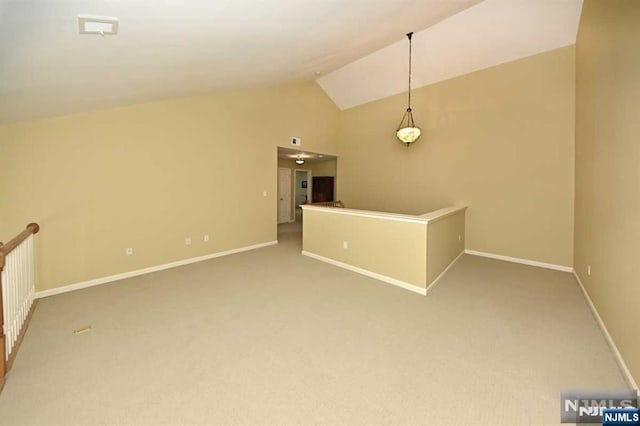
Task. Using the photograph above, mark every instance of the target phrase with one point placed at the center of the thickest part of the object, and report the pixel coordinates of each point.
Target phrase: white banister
(17, 295)
(18, 291)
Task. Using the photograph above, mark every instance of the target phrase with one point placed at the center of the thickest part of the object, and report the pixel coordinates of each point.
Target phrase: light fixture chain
(410, 36)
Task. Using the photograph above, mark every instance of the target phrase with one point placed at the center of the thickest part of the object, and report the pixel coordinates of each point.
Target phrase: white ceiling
(487, 34)
(170, 48)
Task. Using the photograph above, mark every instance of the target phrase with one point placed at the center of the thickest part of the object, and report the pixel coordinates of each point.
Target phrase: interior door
(284, 195)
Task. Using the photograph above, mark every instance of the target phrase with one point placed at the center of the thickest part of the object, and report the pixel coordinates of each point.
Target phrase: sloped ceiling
(168, 48)
(487, 34)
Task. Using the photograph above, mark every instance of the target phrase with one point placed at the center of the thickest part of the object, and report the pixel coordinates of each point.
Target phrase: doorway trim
(278, 194)
(294, 179)
(309, 182)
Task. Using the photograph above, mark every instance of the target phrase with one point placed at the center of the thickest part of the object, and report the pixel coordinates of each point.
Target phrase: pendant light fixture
(299, 160)
(407, 131)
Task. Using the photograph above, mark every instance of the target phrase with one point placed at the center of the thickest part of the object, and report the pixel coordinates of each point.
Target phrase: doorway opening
(312, 181)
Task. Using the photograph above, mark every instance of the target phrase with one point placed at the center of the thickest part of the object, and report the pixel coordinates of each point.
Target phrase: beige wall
(607, 219)
(500, 140)
(392, 248)
(445, 242)
(147, 176)
(318, 168)
(325, 168)
(414, 250)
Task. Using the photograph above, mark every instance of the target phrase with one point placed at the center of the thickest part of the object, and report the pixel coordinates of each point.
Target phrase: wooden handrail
(328, 204)
(31, 228)
(5, 249)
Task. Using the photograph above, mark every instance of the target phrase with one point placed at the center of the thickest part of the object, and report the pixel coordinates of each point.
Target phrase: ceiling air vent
(101, 25)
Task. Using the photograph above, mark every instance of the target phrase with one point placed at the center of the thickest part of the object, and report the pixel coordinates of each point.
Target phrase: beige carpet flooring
(272, 337)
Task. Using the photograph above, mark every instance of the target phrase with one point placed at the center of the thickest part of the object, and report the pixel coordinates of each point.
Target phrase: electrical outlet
(345, 244)
(205, 238)
(129, 251)
(187, 241)
(589, 270)
(459, 237)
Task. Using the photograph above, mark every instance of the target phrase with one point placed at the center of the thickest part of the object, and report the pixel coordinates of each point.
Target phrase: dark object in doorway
(322, 188)
(304, 184)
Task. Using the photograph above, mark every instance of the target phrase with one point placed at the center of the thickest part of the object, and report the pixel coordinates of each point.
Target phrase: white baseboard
(402, 284)
(519, 260)
(621, 364)
(130, 274)
(431, 286)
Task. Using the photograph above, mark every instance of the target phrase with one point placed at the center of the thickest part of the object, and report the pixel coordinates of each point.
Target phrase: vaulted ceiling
(167, 48)
(490, 33)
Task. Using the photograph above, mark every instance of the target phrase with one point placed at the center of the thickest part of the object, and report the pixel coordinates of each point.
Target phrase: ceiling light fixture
(299, 160)
(408, 133)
